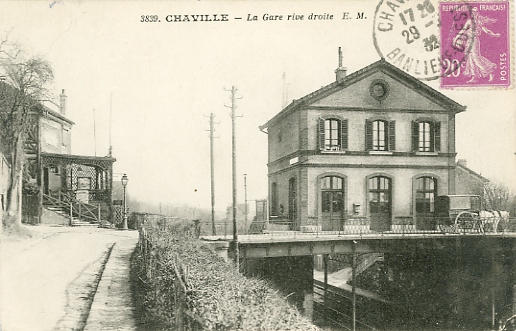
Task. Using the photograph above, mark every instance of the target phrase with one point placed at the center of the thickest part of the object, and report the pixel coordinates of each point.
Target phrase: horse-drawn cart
(464, 213)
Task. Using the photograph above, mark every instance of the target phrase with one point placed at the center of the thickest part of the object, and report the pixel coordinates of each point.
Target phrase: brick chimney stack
(62, 102)
(340, 72)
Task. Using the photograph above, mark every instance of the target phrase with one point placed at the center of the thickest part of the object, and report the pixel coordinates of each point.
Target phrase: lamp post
(124, 184)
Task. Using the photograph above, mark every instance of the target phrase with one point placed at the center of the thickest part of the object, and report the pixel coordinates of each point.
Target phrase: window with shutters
(380, 135)
(333, 134)
(426, 136)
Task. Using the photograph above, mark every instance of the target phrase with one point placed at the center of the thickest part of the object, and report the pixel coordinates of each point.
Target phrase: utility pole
(94, 132)
(212, 164)
(354, 286)
(234, 178)
(245, 199)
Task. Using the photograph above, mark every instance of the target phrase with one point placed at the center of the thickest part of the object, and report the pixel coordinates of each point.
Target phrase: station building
(373, 149)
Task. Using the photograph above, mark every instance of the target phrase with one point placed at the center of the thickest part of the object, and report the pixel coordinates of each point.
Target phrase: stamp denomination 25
(406, 34)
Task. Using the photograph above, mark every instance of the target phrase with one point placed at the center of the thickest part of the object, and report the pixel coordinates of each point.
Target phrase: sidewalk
(112, 307)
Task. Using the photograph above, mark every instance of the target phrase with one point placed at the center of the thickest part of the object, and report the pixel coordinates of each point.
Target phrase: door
(45, 181)
(332, 200)
(380, 203)
(292, 202)
(426, 191)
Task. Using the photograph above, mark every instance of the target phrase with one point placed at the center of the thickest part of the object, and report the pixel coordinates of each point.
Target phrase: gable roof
(380, 65)
(471, 172)
(47, 112)
(40, 108)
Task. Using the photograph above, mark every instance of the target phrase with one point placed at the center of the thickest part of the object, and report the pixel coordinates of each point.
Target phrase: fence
(183, 319)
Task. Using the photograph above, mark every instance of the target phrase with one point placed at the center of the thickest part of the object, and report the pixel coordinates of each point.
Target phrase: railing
(334, 306)
(315, 227)
(74, 207)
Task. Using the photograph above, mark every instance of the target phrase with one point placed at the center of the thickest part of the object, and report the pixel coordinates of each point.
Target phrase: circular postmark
(407, 35)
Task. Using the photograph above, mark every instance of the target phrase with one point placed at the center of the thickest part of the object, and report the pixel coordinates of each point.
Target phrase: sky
(148, 88)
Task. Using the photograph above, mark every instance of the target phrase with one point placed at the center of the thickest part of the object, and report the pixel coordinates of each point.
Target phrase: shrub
(219, 296)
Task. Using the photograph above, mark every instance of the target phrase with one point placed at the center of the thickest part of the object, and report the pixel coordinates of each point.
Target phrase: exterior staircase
(365, 261)
(67, 211)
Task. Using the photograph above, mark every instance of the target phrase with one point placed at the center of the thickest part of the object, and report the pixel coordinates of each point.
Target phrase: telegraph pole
(245, 199)
(213, 230)
(233, 167)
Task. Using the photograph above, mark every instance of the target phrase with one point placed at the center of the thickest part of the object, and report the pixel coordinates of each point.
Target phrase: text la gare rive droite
(249, 17)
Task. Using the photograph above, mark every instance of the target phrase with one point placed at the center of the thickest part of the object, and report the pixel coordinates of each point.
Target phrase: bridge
(297, 243)
(469, 263)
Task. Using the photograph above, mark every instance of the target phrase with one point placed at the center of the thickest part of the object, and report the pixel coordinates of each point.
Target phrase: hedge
(219, 297)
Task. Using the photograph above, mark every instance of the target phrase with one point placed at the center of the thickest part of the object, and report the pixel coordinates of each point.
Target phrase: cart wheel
(464, 221)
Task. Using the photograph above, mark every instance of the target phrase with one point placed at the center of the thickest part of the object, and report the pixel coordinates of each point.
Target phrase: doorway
(380, 203)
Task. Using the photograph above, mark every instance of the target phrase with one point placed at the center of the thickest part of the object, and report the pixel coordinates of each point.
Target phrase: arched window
(292, 199)
(380, 202)
(274, 199)
(426, 192)
(332, 194)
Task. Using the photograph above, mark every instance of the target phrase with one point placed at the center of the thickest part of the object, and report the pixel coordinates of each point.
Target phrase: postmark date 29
(149, 18)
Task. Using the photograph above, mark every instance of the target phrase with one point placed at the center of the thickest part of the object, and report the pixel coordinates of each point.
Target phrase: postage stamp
(406, 34)
(475, 44)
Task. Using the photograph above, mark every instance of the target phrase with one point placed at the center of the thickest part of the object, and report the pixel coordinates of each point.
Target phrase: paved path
(47, 282)
(112, 306)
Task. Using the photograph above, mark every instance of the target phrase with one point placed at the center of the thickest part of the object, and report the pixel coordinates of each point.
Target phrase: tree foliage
(497, 196)
(23, 82)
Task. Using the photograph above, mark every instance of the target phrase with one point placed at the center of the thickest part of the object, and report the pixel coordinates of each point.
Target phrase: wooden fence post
(98, 215)
(71, 214)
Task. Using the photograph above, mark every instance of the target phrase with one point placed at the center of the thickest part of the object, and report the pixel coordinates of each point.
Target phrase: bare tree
(497, 196)
(22, 89)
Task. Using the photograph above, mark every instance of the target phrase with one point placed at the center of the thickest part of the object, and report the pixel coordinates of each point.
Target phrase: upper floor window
(333, 134)
(426, 136)
(380, 135)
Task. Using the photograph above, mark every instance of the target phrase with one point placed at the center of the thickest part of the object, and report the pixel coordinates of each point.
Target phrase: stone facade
(377, 145)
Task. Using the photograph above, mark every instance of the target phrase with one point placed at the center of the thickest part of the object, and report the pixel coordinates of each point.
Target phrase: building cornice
(329, 154)
(361, 166)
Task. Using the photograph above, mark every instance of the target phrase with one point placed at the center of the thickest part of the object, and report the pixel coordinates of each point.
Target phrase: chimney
(340, 72)
(462, 162)
(62, 102)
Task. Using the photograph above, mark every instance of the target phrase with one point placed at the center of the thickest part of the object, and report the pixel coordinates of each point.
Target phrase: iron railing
(313, 226)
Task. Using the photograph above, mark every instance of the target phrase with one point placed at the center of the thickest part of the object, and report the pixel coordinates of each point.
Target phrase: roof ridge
(382, 62)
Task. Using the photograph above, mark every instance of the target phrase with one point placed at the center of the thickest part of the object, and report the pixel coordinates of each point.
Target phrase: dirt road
(47, 281)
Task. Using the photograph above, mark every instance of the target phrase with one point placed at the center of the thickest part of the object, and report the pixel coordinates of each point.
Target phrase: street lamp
(124, 184)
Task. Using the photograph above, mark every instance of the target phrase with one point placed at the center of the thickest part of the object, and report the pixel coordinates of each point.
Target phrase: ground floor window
(379, 195)
(426, 191)
(292, 199)
(332, 194)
